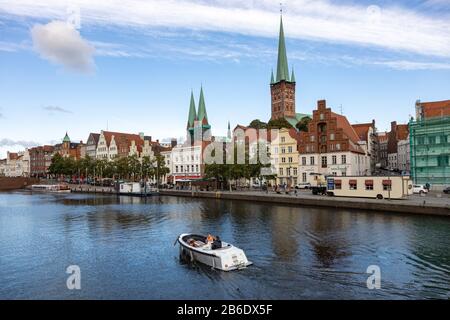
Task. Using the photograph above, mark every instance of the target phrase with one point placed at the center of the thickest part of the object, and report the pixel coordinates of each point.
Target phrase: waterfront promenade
(431, 204)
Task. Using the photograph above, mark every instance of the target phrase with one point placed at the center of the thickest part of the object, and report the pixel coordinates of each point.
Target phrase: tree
(303, 124)
(279, 124)
(257, 124)
(160, 169)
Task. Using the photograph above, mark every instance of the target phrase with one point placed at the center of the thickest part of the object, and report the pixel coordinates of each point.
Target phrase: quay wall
(13, 183)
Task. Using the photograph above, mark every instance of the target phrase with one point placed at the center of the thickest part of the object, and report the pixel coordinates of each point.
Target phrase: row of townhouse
(16, 164)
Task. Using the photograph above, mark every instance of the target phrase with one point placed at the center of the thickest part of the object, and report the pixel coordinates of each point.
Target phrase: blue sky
(130, 65)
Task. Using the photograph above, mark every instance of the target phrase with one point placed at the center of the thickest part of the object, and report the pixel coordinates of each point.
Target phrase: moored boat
(53, 188)
(212, 251)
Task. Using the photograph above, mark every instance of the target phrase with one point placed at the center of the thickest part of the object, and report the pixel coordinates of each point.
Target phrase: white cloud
(61, 43)
(392, 28)
(56, 109)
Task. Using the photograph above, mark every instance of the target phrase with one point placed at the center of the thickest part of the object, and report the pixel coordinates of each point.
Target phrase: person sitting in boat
(209, 239)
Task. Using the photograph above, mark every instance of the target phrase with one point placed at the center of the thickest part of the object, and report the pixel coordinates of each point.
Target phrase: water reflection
(124, 246)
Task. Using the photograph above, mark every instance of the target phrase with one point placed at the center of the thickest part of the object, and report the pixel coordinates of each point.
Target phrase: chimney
(173, 142)
(393, 125)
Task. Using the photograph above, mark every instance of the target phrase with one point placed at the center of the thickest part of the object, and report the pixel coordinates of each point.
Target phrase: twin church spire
(201, 116)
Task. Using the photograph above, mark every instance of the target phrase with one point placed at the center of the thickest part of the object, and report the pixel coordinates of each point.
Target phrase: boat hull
(227, 258)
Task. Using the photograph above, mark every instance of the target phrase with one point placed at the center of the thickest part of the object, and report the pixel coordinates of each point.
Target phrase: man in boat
(209, 239)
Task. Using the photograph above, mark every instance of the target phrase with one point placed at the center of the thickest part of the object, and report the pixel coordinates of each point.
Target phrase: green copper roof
(282, 66)
(202, 108)
(293, 76)
(192, 112)
(272, 79)
(66, 138)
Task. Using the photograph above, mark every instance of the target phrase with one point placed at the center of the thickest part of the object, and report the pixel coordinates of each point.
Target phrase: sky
(84, 66)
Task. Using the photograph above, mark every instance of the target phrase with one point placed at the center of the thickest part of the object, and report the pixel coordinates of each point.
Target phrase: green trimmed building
(430, 143)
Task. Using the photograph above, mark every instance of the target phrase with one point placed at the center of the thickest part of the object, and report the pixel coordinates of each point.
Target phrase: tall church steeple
(283, 87)
(282, 65)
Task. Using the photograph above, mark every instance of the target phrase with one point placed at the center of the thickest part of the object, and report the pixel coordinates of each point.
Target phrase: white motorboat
(53, 188)
(212, 252)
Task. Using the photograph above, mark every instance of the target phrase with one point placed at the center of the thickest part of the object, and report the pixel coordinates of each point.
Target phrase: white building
(184, 163)
(17, 164)
(403, 155)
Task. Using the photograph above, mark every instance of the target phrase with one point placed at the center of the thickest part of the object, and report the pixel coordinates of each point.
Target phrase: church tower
(283, 86)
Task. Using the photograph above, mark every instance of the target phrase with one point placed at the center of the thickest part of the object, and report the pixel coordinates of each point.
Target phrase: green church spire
(202, 116)
(192, 113)
(66, 138)
(293, 76)
(282, 66)
(272, 79)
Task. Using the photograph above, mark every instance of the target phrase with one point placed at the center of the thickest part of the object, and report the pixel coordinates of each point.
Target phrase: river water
(124, 248)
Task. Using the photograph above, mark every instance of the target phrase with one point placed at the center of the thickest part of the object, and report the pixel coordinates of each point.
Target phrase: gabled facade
(330, 147)
(91, 145)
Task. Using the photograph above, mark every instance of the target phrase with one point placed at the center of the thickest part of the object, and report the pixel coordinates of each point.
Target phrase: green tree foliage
(279, 124)
(302, 125)
(257, 124)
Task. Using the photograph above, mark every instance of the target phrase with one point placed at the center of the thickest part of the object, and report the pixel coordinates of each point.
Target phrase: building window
(334, 159)
(431, 140)
(288, 171)
(331, 136)
(338, 146)
(295, 171)
(387, 185)
(369, 184)
(324, 162)
(283, 139)
(353, 184)
(281, 171)
(176, 168)
(344, 159)
(338, 184)
(290, 159)
(290, 149)
(322, 116)
(311, 159)
(196, 168)
(312, 138)
(303, 161)
(283, 160)
(283, 150)
(304, 176)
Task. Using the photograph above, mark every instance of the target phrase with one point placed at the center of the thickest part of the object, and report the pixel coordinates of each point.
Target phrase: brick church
(282, 87)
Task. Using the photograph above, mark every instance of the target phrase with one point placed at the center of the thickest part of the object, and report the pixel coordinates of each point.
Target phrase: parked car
(447, 190)
(420, 189)
(303, 186)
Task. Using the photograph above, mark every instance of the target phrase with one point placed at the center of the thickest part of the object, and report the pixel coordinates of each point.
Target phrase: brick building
(40, 160)
(68, 149)
(398, 132)
(331, 147)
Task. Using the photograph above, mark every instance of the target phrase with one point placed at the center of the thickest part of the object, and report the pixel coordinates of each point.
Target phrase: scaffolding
(430, 151)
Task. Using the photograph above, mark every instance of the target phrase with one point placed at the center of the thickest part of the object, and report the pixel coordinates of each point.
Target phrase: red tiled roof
(122, 138)
(362, 130)
(402, 131)
(435, 109)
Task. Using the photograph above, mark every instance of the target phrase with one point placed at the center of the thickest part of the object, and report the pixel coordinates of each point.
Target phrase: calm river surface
(125, 250)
